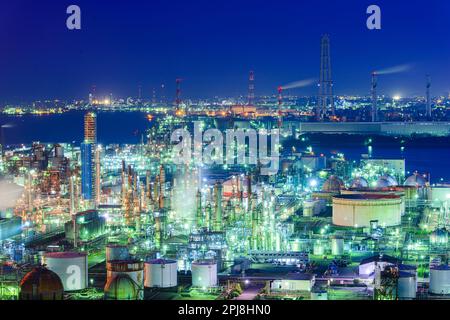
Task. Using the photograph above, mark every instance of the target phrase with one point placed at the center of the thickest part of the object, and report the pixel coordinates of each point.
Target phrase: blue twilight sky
(213, 44)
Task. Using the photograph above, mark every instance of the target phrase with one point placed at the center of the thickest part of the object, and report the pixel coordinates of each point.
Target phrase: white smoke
(395, 69)
(9, 194)
(299, 84)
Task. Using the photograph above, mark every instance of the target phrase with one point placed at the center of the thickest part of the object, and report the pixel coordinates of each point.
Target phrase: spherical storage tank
(440, 280)
(41, 284)
(204, 274)
(407, 286)
(116, 252)
(121, 287)
(160, 273)
(357, 210)
(132, 268)
(71, 267)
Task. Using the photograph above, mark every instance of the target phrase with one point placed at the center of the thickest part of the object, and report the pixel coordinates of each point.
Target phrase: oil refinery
(243, 177)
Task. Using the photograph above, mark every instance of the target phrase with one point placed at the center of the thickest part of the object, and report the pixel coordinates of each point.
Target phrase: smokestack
(374, 97)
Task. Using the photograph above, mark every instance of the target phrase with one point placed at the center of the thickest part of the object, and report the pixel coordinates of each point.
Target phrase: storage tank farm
(180, 230)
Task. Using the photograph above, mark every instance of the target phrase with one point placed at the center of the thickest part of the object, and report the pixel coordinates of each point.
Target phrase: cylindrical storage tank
(117, 252)
(132, 268)
(407, 286)
(440, 280)
(300, 245)
(160, 273)
(319, 295)
(318, 248)
(308, 208)
(204, 274)
(71, 267)
(337, 246)
(439, 237)
(358, 210)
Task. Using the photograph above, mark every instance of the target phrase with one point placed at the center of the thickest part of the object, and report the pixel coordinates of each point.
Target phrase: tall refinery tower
(325, 83)
(88, 155)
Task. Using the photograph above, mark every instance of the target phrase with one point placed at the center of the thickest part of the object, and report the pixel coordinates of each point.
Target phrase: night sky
(213, 44)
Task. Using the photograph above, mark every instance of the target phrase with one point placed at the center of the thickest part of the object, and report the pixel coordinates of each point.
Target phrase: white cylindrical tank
(337, 246)
(440, 280)
(358, 210)
(71, 267)
(132, 268)
(117, 252)
(407, 286)
(204, 274)
(160, 273)
(318, 248)
(308, 208)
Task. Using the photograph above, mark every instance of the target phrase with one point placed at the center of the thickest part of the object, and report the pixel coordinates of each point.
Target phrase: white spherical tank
(440, 280)
(132, 268)
(117, 252)
(160, 273)
(204, 274)
(337, 246)
(71, 267)
(407, 286)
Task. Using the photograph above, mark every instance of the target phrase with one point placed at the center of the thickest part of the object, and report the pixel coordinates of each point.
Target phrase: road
(250, 293)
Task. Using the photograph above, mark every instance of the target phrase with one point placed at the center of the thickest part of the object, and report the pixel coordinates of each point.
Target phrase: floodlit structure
(294, 282)
(357, 210)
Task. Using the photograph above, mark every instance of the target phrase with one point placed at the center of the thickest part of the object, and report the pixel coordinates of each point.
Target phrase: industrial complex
(244, 198)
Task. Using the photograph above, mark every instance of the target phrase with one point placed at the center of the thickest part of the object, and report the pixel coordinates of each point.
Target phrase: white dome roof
(333, 184)
(416, 180)
(386, 181)
(359, 182)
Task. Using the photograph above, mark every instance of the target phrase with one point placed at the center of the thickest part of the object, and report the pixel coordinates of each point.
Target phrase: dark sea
(426, 155)
(112, 127)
